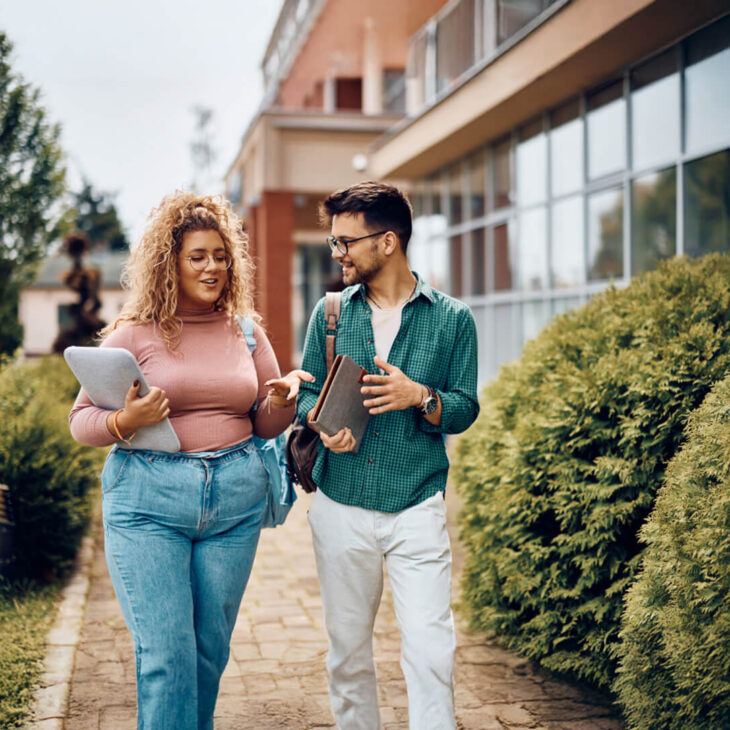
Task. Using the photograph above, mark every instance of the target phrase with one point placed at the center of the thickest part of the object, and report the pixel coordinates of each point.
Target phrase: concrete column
(372, 71)
(330, 102)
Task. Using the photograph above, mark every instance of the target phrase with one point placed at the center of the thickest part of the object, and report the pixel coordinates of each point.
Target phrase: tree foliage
(675, 650)
(565, 460)
(96, 215)
(31, 182)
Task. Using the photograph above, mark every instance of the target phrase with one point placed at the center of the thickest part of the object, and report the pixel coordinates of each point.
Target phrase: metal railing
(461, 36)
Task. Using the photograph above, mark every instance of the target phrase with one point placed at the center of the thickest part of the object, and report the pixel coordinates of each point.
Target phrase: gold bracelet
(118, 433)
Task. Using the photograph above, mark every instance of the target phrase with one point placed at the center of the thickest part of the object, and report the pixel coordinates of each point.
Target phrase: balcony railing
(463, 35)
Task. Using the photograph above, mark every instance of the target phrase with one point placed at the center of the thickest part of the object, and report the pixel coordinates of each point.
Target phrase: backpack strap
(332, 302)
(246, 325)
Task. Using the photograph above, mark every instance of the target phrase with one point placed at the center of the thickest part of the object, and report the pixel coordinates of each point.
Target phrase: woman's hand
(283, 391)
(145, 411)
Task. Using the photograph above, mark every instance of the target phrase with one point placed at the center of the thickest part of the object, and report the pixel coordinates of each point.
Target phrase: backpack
(280, 495)
(302, 445)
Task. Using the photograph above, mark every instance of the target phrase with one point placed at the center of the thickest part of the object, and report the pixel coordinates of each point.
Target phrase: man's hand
(340, 443)
(392, 392)
(283, 391)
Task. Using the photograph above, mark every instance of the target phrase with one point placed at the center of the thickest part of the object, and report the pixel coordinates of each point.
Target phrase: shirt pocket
(428, 361)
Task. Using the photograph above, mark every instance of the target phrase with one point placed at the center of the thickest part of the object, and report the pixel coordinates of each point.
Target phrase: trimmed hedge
(675, 651)
(50, 475)
(565, 460)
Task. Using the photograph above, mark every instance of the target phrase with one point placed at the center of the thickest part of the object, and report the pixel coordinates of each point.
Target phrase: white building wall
(38, 313)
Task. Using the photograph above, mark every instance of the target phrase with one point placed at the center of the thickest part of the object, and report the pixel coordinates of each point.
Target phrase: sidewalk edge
(51, 697)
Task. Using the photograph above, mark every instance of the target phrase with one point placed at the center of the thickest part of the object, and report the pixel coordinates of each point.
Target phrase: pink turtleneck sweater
(211, 380)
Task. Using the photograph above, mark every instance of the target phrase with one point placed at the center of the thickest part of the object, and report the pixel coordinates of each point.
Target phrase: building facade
(334, 75)
(582, 149)
(549, 147)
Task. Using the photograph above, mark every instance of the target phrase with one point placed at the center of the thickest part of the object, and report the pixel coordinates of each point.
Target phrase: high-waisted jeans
(181, 532)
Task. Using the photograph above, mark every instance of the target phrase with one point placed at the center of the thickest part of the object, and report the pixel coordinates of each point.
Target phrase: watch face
(429, 405)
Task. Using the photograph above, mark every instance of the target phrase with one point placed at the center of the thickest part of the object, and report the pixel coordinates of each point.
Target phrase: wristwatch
(430, 402)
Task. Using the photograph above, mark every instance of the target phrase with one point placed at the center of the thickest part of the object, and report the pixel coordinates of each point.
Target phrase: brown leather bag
(303, 443)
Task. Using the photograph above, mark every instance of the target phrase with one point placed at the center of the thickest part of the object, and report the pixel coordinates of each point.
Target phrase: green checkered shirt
(402, 459)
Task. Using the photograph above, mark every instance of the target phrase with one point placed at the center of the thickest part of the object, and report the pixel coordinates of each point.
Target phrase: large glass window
(477, 184)
(532, 249)
(532, 165)
(502, 174)
(655, 111)
(478, 262)
(456, 194)
(708, 88)
(707, 204)
(606, 131)
(606, 235)
(653, 220)
(457, 266)
(503, 257)
(567, 252)
(566, 149)
(538, 218)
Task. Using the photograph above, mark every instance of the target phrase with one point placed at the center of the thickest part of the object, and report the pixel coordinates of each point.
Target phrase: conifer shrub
(50, 476)
(563, 465)
(674, 671)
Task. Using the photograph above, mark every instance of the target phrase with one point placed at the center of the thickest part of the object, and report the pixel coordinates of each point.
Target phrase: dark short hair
(384, 207)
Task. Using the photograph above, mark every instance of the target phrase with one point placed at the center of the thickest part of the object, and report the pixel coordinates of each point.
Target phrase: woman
(181, 529)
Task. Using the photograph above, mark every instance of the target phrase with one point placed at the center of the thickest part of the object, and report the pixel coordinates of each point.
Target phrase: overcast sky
(122, 76)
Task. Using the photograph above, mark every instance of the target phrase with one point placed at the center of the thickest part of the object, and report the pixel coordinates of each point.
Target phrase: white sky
(121, 77)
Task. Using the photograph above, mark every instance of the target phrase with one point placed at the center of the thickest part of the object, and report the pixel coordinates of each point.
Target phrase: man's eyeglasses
(199, 261)
(344, 246)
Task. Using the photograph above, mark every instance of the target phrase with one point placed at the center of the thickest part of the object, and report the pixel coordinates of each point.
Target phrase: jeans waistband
(151, 454)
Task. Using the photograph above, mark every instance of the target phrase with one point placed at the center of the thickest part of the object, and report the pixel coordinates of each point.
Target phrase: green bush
(675, 651)
(564, 463)
(50, 476)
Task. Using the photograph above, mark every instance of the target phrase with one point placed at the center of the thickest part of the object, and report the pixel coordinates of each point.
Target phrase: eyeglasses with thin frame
(199, 261)
(344, 246)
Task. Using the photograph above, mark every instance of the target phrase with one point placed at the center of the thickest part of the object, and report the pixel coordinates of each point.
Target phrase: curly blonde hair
(151, 273)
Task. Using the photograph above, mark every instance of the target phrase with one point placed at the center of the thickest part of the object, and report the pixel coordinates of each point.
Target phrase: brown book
(340, 403)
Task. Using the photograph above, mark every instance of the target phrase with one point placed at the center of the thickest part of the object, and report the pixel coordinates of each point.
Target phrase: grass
(26, 614)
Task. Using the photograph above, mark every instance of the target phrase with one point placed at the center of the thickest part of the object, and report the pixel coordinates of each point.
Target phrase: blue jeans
(181, 532)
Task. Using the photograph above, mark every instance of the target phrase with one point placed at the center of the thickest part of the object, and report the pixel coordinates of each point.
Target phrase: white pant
(349, 546)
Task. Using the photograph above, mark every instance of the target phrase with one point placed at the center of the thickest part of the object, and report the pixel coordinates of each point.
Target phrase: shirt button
(377, 433)
(371, 461)
(370, 342)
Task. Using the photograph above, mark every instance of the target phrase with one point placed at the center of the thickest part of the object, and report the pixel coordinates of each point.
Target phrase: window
(606, 235)
(532, 165)
(707, 210)
(708, 87)
(653, 219)
(567, 253)
(606, 131)
(655, 111)
(566, 149)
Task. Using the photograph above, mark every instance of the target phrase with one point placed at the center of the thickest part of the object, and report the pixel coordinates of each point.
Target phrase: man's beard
(363, 274)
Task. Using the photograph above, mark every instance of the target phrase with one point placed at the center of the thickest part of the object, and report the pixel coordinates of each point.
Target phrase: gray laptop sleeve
(106, 374)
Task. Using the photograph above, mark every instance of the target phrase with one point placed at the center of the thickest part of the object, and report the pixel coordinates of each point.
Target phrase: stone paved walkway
(276, 680)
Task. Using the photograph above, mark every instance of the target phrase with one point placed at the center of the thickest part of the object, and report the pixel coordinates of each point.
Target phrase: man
(385, 502)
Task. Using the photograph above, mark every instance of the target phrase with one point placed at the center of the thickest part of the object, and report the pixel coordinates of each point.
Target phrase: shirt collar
(422, 289)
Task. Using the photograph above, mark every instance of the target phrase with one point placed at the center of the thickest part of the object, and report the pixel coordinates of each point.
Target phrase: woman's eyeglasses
(199, 262)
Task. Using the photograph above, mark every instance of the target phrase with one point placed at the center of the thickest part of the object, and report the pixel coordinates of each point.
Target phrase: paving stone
(51, 701)
(276, 675)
